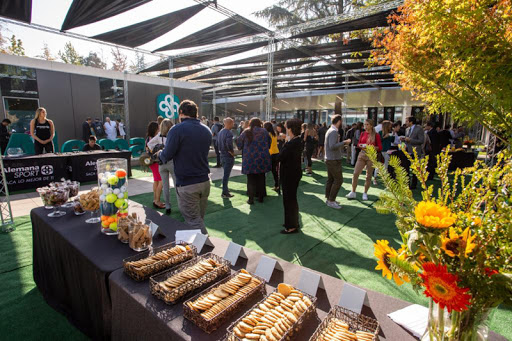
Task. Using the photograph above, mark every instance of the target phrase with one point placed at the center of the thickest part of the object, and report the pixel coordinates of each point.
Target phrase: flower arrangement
(468, 142)
(456, 245)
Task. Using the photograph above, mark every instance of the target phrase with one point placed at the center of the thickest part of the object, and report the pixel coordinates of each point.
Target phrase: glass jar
(140, 237)
(113, 184)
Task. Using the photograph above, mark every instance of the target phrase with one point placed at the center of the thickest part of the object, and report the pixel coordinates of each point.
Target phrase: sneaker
(227, 196)
(333, 204)
(365, 197)
(351, 195)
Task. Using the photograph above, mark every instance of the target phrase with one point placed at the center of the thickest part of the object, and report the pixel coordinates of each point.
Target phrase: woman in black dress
(290, 174)
(42, 131)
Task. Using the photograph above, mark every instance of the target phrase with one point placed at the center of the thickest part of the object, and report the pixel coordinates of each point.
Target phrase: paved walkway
(22, 204)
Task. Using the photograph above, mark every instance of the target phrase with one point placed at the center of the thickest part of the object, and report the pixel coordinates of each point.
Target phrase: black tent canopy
(181, 74)
(205, 56)
(145, 31)
(306, 51)
(226, 30)
(371, 21)
(83, 12)
(17, 9)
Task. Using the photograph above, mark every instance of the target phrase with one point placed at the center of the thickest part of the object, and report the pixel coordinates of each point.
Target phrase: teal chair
(56, 148)
(122, 144)
(137, 146)
(72, 146)
(23, 141)
(107, 144)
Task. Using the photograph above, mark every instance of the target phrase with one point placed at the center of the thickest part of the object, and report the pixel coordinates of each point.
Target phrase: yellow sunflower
(455, 244)
(384, 253)
(431, 214)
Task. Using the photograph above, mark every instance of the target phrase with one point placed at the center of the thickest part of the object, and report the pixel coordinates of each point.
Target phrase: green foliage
(46, 54)
(94, 60)
(16, 46)
(70, 55)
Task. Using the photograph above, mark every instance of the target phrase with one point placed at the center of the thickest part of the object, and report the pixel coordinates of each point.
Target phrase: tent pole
(171, 90)
(214, 110)
(126, 107)
(270, 74)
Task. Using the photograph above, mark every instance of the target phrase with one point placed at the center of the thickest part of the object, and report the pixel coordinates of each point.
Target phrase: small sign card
(353, 298)
(233, 252)
(155, 230)
(266, 267)
(200, 240)
(186, 236)
(309, 282)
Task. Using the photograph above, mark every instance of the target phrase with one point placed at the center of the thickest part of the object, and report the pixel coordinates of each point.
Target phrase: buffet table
(138, 315)
(460, 159)
(72, 261)
(35, 171)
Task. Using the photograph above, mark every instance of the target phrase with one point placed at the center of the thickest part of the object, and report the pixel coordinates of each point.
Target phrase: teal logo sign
(167, 108)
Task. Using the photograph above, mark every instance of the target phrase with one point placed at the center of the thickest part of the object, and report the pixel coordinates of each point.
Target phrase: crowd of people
(284, 149)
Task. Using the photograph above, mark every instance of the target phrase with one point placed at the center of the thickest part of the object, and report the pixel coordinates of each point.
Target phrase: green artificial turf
(336, 242)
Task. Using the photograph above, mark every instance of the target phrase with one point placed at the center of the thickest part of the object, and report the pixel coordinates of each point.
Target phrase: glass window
(20, 111)
(114, 111)
(111, 90)
(17, 81)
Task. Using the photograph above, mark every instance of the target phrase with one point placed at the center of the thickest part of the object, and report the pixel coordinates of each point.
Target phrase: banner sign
(25, 173)
(167, 108)
(389, 113)
(372, 114)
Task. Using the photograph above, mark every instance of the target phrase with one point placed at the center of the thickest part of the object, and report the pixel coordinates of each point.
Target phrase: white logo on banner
(47, 170)
(168, 107)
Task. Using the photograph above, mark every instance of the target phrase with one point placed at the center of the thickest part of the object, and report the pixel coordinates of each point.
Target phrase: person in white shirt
(120, 128)
(110, 129)
(378, 127)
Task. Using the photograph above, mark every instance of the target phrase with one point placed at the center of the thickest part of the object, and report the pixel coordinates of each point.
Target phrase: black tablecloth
(39, 170)
(72, 261)
(138, 315)
(459, 159)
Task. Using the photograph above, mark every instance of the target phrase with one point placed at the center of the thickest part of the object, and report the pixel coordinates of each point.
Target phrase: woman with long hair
(274, 153)
(166, 169)
(368, 138)
(42, 131)
(255, 144)
(154, 140)
(387, 138)
(290, 172)
(281, 135)
(310, 142)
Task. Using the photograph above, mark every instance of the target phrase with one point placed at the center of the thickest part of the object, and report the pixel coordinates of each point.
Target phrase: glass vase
(468, 325)
(113, 184)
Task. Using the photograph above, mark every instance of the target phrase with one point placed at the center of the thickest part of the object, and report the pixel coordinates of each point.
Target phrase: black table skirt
(72, 261)
(39, 170)
(459, 159)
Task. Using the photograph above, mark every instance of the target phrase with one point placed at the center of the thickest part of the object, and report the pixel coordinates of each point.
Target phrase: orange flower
(431, 214)
(442, 287)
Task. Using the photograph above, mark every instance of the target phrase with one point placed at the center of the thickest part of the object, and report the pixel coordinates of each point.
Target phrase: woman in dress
(166, 169)
(291, 173)
(153, 139)
(274, 153)
(369, 137)
(255, 144)
(42, 131)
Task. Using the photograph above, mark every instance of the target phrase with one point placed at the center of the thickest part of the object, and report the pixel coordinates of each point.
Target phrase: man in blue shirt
(227, 154)
(216, 128)
(188, 144)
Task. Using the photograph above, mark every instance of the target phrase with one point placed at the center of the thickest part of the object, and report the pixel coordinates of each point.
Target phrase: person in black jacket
(445, 136)
(4, 134)
(290, 175)
(435, 148)
(87, 129)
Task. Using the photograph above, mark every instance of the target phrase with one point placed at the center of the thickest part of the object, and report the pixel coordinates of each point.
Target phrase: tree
(138, 63)
(16, 47)
(94, 60)
(46, 54)
(119, 63)
(455, 56)
(70, 55)
(2, 41)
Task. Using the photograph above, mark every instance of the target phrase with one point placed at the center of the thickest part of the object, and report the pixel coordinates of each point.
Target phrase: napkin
(413, 318)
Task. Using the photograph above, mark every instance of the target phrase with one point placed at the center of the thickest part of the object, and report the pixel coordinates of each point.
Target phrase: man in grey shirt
(333, 152)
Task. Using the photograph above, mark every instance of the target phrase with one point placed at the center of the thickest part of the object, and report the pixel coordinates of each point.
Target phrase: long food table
(72, 261)
(35, 171)
(79, 272)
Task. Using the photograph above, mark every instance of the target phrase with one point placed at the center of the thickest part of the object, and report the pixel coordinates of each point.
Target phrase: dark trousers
(432, 165)
(39, 148)
(256, 186)
(216, 147)
(309, 154)
(3, 146)
(227, 164)
(334, 179)
(275, 169)
(290, 203)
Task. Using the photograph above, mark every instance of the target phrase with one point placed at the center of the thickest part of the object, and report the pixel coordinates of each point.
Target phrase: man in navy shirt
(187, 145)
(227, 154)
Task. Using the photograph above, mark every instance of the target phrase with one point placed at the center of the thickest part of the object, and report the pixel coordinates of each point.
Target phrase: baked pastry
(337, 330)
(275, 316)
